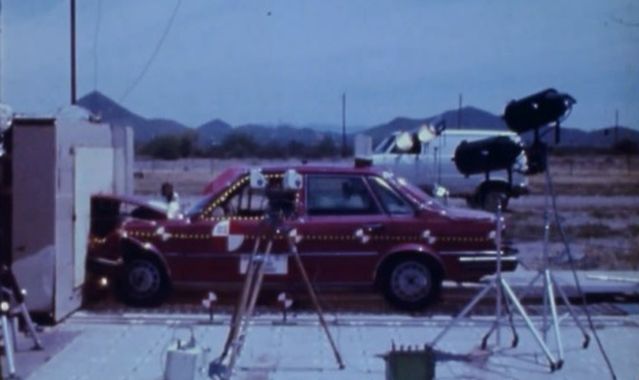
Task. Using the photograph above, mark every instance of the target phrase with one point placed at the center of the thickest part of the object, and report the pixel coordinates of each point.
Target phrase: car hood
(151, 207)
(463, 213)
(458, 213)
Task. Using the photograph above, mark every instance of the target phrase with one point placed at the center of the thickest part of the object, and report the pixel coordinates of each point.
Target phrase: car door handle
(373, 228)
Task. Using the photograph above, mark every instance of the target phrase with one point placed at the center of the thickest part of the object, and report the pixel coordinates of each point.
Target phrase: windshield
(416, 194)
(384, 145)
(199, 206)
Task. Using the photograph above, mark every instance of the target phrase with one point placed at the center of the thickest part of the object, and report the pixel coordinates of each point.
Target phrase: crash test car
(357, 226)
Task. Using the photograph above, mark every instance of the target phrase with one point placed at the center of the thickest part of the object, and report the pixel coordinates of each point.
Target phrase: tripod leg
(515, 341)
(530, 325)
(318, 308)
(37, 344)
(8, 345)
(555, 320)
(511, 322)
(523, 295)
(241, 305)
(258, 281)
(245, 317)
(464, 312)
(572, 312)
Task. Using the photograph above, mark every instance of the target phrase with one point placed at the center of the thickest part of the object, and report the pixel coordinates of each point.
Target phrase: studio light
(531, 113)
(486, 155)
(537, 110)
(426, 133)
(404, 141)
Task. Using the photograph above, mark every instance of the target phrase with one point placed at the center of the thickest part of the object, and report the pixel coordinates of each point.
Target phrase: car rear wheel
(411, 283)
(143, 283)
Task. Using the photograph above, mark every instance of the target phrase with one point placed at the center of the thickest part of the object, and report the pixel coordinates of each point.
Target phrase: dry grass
(603, 175)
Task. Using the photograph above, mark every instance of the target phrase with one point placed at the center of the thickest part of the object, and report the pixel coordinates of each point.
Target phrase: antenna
(73, 79)
(459, 111)
(344, 124)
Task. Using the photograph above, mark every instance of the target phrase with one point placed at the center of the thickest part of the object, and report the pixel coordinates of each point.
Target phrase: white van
(432, 164)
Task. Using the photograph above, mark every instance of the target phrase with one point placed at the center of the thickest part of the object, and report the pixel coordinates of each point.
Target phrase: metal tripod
(551, 284)
(503, 293)
(251, 288)
(11, 293)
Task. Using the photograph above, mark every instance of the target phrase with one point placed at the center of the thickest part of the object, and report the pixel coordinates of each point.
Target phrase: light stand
(551, 284)
(273, 227)
(549, 108)
(503, 292)
(10, 292)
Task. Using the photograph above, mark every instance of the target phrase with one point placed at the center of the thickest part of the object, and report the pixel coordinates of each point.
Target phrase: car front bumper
(471, 266)
(99, 266)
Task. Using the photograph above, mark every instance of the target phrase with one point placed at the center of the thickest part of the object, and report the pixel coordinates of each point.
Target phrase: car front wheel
(411, 284)
(143, 283)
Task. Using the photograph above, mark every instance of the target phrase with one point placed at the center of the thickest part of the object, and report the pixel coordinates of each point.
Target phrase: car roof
(229, 175)
(321, 168)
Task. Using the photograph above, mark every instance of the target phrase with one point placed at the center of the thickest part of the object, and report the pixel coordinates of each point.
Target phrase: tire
(144, 282)
(411, 283)
(490, 199)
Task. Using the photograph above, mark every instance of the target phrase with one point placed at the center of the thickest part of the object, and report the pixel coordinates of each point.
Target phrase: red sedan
(356, 226)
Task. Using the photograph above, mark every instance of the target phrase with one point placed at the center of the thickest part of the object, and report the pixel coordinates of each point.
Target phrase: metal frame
(251, 288)
(504, 293)
(550, 285)
(12, 293)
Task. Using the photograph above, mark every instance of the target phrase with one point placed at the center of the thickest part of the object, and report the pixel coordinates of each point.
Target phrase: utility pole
(344, 124)
(73, 79)
(1, 48)
(616, 125)
(459, 112)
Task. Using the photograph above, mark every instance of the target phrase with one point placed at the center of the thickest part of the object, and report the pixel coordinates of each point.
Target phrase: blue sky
(289, 61)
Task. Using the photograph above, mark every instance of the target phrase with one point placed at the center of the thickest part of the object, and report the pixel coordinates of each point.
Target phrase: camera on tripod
(280, 193)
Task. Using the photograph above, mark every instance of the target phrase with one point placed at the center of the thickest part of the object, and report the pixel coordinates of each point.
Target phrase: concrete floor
(131, 347)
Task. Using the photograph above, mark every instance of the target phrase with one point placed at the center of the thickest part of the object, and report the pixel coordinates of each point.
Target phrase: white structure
(51, 168)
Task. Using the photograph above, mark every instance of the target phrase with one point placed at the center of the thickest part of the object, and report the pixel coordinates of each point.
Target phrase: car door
(212, 245)
(341, 217)
(401, 226)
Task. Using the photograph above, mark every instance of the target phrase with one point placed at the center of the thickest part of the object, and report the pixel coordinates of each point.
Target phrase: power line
(158, 46)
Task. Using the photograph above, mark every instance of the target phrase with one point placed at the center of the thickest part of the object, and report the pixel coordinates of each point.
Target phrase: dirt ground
(597, 203)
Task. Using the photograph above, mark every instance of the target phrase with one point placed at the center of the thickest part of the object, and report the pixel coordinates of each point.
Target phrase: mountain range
(210, 133)
(214, 131)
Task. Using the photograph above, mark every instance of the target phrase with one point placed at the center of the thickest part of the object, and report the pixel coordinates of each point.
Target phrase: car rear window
(339, 195)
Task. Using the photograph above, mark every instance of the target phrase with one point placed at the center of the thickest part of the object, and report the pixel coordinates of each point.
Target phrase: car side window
(389, 198)
(245, 202)
(339, 195)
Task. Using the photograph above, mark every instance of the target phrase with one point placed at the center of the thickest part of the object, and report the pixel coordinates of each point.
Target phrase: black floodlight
(538, 110)
(487, 155)
(537, 155)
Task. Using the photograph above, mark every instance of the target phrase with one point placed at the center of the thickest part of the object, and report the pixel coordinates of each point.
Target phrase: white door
(93, 173)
